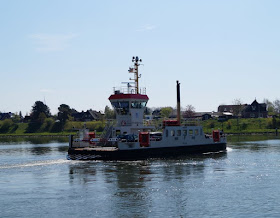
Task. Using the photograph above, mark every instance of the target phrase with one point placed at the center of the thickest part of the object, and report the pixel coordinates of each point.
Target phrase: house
(156, 114)
(89, 115)
(26, 119)
(255, 110)
(234, 109)
(225, 116)
(203, 115)
(4, 116)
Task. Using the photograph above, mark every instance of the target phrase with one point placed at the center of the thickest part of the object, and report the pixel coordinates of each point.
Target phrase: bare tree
(276, 106)
(269, 105)
(189, 112)
(238, 107)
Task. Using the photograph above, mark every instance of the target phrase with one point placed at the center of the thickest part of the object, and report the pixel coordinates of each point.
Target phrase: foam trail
(37, 163)
(229, 149)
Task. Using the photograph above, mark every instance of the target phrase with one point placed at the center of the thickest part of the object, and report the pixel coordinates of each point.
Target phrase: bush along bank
(244, 126)
(50, 127)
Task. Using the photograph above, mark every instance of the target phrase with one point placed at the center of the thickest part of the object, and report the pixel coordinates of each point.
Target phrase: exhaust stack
(178, 104)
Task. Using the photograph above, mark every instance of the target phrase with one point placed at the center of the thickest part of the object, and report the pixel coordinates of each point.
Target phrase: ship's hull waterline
(142, 154)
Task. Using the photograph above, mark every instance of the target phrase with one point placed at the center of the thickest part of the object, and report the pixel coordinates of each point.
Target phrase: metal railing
(128, 90)
(107, 132)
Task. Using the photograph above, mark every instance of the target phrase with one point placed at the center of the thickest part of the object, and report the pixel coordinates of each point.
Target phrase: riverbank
(274, 133)
(258, 126)
(66, 134)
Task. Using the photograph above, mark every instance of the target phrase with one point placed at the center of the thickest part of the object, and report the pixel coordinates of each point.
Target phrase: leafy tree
(109, 113)
(165, 112)
(148, 111)
(73, 111)
(64, 112)
(189, 112)
(41, 118)
(47, 125)
(39, 113)
(38, 108)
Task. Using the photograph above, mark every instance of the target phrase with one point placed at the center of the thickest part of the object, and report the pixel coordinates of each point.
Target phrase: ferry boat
(129, 138)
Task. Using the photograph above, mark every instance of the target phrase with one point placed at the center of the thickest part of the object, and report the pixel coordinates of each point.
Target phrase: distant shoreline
(37, 135)
(67, 135)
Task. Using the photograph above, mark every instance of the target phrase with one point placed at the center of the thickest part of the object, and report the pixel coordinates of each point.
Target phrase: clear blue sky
(74, 52)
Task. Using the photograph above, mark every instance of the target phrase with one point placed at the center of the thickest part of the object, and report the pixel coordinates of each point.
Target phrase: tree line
(41, 120)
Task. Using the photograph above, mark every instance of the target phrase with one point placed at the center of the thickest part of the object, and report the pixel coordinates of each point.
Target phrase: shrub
(57, 127)
(243, 125)
(47, 125)
(6, 125)
(211, 124)
(228, 125)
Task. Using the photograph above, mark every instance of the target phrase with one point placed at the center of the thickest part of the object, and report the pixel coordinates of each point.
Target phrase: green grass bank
(232, 126)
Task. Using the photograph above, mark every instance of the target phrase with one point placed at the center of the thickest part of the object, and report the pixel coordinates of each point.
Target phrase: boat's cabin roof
(122, 96)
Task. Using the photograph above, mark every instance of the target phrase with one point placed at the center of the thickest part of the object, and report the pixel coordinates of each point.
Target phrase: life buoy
(123, 123)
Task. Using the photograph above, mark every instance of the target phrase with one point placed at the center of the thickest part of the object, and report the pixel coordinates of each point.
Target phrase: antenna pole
(136, 78)
(136, 73)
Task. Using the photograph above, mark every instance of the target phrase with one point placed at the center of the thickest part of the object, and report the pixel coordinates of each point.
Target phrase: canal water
(36, 180)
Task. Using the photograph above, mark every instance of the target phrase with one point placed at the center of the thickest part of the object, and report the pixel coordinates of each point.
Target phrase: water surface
(36, 180)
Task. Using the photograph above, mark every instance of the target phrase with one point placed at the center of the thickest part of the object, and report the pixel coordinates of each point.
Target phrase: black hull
(142, 154)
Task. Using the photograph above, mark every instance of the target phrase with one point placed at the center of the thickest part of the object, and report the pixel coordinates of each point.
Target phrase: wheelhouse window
(190, 132)
(135, 104)
(138, 104)
(172, 133)
(121, 107)
(143, 104)
(185, 132)
(196, 131)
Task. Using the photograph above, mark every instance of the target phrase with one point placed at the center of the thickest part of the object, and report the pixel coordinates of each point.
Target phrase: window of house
(172, 133)
(185, 132)
(252, 115)
(190, 132)
(196, 131)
